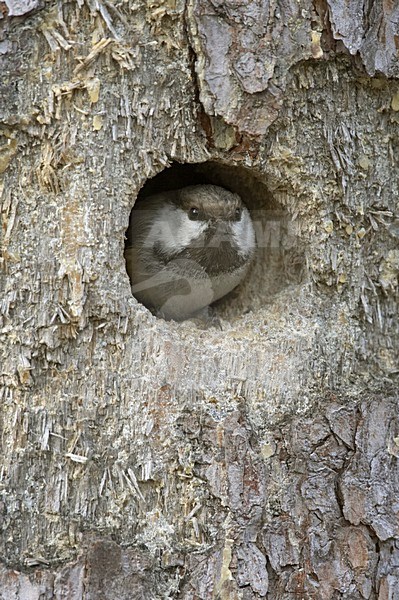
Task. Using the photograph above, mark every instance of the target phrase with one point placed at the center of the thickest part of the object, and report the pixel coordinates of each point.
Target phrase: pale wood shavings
(107, 18)
(7, 151)
(55, 40)
(78, 458)
(125, 57)
(9, 213)
(97, 49)
(46, 172)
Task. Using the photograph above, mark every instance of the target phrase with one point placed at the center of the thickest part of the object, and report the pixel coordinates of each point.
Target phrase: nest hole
(279, 259)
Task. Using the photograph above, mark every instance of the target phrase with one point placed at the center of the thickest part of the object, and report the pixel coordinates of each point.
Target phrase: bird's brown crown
(209, 202)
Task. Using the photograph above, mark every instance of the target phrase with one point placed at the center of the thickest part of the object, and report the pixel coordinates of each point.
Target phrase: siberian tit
(187, 248)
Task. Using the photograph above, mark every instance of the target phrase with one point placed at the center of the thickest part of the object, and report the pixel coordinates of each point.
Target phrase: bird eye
(193, 213)
(238, 213)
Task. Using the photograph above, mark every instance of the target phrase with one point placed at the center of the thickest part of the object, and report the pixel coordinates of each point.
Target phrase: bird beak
(220, 233)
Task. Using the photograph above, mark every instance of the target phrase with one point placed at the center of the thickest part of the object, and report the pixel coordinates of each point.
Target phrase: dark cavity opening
(279, 258)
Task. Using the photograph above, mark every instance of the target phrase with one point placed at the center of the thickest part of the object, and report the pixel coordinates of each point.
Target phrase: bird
(187, 248)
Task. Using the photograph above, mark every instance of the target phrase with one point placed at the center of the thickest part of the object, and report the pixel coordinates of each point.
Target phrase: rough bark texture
(149, 459)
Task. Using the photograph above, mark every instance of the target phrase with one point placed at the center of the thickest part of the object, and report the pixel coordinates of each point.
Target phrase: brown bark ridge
(149, 459)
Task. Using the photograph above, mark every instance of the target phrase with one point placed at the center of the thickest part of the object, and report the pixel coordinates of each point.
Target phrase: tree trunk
(150, 459)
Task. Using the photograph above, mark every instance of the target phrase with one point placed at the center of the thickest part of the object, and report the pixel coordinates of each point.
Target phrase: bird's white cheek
(174, 231)
(188, 231)
(244, 234)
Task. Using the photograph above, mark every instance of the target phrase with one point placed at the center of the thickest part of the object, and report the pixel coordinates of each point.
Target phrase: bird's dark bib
(214, 260)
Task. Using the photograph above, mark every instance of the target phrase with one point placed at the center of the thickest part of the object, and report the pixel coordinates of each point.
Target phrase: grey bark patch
(17, 8)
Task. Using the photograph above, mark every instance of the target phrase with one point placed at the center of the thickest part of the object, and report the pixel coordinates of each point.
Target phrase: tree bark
(149, 459)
